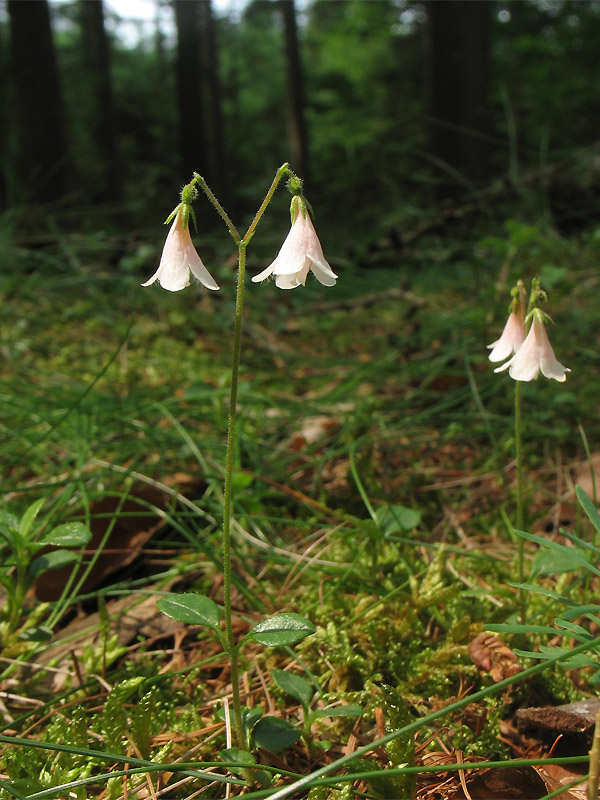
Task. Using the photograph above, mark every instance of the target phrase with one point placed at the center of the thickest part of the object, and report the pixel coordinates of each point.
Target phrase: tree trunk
(459, 75)
(298, 140)
(189, 88)
(42, 161)
(210, 68)
(5, 139)
(101, 118)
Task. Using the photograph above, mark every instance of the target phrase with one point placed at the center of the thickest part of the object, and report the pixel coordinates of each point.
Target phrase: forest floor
(374, 494)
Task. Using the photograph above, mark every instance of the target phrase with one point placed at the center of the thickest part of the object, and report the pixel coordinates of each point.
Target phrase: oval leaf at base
(194, 609)
(275, 734)
(294, 685)
(282, 630)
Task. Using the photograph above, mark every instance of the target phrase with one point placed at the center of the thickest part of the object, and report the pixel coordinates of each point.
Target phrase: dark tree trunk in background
(210, 67)
(459, 75)
(4, 135)
(43, 161)
(189, 88)
(101, 118)
(297, 136)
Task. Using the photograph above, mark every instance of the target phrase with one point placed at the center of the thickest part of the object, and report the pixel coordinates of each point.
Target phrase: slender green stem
(230, 646)
(594, 762)
(520, 504)
(232, 650)
(588, 455)
(284, 169)
(220, 210)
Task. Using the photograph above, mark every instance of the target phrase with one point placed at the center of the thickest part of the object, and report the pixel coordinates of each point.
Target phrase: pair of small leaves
(70, 534)
(195, 609)
(272, 733)
(17, 532)
(303, 691)
(18, 536)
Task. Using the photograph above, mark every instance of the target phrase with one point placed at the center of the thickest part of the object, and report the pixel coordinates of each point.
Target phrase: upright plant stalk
(242, 243)
(520, 504)
(232, 649)
(594, 775)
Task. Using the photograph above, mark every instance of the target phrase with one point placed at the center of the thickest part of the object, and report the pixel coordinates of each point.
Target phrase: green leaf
(241, 480)
(29, 516)
(40, 633)
(577, 630)
(397, 519)
(590, 509)
(528, 654)
(70, 534)
(25, 786)
(8, 522)
(234, 756)
(571, 553)
(54, 560)
(275, 734)
(11, 535)
(549, 562)
(195, 609)
(508, 627)
(339, 711)
(281, 630)
(294, 685)
(250, 716)
(579, 611)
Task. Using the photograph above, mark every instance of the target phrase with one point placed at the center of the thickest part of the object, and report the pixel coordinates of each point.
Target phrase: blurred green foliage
(367, 87)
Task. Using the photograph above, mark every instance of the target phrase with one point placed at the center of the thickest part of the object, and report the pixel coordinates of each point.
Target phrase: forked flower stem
(219, 208)
(231, 647)
(232, 650)
(284, 169)
(520, 504)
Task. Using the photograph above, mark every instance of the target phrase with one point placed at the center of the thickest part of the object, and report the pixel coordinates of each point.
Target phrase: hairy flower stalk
(300, 253)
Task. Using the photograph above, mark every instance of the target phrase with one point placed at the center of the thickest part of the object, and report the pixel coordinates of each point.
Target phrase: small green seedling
(21, 566)
(304, 691)
(279, 630)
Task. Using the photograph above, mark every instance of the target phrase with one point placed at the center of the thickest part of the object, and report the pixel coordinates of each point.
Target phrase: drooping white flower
(535, 354)
(300, 253)
(511, 339)
(179, 258)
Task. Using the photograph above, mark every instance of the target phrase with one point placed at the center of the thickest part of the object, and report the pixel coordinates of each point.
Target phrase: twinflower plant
(300, 253)
(525, 343)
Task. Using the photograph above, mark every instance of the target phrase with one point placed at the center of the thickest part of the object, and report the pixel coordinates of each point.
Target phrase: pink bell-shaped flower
(179, 258)
(511, 339)
(535, 354)
(300, 253)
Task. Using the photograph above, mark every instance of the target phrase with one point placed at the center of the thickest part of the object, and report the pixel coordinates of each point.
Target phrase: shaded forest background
(387, 108)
